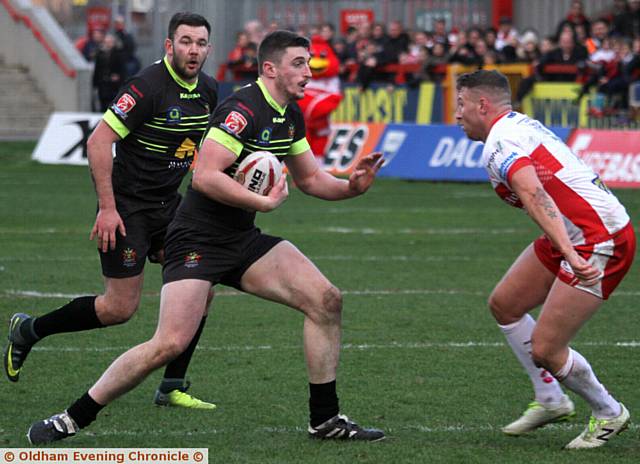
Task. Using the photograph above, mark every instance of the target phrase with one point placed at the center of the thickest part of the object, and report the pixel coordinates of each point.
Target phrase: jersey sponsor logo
(265, 136)
(186, 149)
(506, 164)
(235, 122)
(277, 120)
(129, 257)
(174, 115)
(600, 184)
(192, 260)
(188, 96)
(125, 103)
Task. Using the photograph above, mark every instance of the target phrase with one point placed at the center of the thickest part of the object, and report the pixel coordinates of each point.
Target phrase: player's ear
(269, 69)
(168, 46)
(483, 105)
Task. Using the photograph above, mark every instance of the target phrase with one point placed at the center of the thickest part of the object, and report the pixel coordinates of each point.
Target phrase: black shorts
(145, 238)
(192, 252)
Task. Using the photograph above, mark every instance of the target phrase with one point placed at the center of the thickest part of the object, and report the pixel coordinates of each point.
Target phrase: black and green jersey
(250, 120)
(161, 120)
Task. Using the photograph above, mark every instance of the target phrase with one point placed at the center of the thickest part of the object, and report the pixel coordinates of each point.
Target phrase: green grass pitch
(422, 357)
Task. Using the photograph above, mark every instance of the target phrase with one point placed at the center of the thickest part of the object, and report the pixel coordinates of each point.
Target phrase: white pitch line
(443, 231)
(346, 346)
(383, 210)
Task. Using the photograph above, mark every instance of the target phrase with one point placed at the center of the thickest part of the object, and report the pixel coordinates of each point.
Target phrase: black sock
(176, 370)
(84, 411)
(27, 332)
(323, 402)
(79, 314)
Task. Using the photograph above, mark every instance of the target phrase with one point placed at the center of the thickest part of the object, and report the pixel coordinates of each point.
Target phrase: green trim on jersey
(177, 78)
(299, 147)
(284, 148)
(114, 123)
(204, 120)
(225, 140)
(162, 128)
(269, 98)
(153, 146)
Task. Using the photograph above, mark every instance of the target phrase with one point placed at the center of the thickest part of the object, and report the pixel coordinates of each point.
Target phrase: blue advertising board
(434, 152)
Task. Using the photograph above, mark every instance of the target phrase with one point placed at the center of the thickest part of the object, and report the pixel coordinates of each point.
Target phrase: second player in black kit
(156, 122)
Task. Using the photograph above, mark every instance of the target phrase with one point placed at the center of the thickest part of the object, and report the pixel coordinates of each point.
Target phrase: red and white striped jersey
(590, 211)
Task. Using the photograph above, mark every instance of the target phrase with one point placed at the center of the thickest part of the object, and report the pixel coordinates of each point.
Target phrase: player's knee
(542, 355)
(495, 306)
(330, 307)
(167, 350)
(116, 311)
(332, 300)
(501, 310)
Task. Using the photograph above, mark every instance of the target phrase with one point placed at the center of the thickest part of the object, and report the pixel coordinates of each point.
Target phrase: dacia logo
(189, 96)
(278, 120)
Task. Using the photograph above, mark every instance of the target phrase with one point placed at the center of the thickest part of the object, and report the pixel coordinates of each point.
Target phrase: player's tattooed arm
(542, 199)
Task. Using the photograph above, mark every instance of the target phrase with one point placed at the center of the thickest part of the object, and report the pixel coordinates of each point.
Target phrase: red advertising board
(613, 155)
(354, 17)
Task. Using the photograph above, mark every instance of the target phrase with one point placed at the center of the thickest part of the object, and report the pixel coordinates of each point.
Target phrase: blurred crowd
(113, 54)
(602, 52)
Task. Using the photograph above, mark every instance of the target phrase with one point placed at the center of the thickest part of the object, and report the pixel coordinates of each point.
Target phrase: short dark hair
(189, 19)
(490, 80)
(274, 45)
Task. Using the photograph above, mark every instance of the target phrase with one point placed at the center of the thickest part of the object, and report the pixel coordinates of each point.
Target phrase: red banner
(353, 18)
(614, 155)
(98, 17)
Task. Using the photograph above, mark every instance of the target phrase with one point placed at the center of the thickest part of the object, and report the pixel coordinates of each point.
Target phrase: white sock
(578, 377)
(518, 334)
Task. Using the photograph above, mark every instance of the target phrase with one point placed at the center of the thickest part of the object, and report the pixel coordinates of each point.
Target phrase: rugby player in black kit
(156, 122)
(213, 240)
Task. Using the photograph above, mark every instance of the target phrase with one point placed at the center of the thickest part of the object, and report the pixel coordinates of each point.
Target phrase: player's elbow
(198, 181)
(304, 185)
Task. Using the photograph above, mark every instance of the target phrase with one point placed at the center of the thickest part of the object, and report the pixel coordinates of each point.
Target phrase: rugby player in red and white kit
(587, 247)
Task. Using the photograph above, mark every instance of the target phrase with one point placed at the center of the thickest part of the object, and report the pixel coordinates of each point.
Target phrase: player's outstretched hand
(365, 172)
(107, 222)
(277, 195)
(585, 272)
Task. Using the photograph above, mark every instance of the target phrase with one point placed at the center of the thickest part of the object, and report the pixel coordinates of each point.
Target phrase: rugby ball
(259, 172)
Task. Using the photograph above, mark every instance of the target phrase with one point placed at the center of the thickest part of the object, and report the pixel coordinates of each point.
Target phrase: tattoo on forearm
(542, 199)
